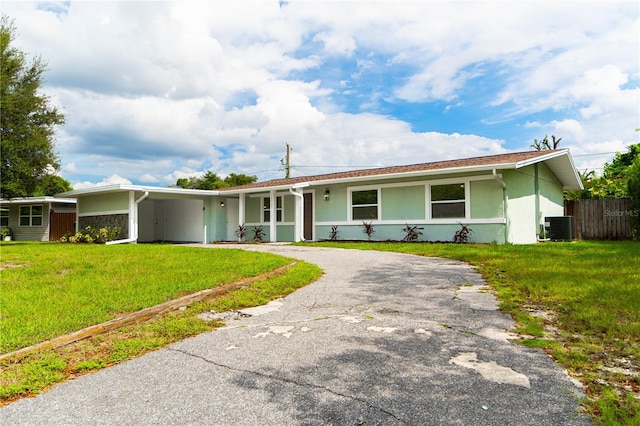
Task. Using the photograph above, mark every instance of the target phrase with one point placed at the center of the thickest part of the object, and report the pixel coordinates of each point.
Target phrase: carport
(150, 214)
(171, 219)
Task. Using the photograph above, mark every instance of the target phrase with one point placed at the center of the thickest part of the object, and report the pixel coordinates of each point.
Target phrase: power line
(592, 155)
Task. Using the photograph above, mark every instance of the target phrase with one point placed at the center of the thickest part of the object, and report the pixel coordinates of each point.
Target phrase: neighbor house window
(30, 215)
(266, 209)
(448, 201)
(4, 217)
(364, 204)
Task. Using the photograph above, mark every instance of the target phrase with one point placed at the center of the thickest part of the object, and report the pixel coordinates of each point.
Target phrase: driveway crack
(290, 381)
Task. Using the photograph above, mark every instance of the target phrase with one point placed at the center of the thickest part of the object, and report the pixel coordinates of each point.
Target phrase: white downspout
(504, 203)
(299, 221)
(134, 229)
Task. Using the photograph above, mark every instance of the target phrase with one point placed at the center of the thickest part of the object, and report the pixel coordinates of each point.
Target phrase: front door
(308, 216)
(232, 206)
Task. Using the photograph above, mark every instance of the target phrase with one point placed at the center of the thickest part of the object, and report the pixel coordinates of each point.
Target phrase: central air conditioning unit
(560, 228)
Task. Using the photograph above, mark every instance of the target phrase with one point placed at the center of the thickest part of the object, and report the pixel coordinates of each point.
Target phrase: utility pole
(287, 166)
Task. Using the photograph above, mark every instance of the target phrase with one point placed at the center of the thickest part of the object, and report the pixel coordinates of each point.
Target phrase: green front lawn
(53, 289)
(590, 293)
(48, 290)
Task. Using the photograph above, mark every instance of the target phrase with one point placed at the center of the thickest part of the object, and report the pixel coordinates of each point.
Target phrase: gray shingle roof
(490, 160)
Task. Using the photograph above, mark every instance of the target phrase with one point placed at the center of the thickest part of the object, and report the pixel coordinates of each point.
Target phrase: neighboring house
(38, 218)
(503, 198)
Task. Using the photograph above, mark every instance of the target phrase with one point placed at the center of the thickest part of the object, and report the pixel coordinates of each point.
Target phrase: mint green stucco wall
(486, 199)
(118, 201)
(524, 220)
(253, 209)
(403, 203)
(289, 205)
(334, 209)
(482, 233)
(551, 195)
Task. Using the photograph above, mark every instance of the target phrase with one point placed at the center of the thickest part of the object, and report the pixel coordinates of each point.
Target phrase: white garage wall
(184, 220)
(171, 220)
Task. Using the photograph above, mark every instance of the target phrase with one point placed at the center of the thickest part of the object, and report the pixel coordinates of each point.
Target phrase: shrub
(413, 233)
(258, 234)
(92, 235)
(367, 228)
(334, 233)
(462, 235)
(241, 232)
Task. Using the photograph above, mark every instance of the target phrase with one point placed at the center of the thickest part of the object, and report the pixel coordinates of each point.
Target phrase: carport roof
(32, 200)
(138, 188)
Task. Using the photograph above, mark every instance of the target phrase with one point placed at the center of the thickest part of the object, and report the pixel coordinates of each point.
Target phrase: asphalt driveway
(380, 339)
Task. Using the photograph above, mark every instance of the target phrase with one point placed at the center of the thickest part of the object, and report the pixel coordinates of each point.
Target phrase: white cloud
(157, 91)
(111, 180)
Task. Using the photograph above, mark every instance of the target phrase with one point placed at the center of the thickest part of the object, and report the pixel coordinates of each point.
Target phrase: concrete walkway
(380, 339)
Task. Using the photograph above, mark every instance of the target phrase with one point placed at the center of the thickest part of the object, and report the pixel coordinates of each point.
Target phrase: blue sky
(156, 91)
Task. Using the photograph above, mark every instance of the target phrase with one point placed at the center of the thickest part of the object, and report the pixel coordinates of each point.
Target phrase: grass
(52, 289)
(580, 302)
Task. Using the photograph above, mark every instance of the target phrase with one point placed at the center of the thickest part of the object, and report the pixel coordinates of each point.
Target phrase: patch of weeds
(90, 365)
(39, 373)
(613, 409)
(527, 324)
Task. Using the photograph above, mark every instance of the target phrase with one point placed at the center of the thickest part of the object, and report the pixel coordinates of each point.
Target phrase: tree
(27, 120)
(546, 144)
(212, 181)
(237, 180)
(614, 182)
(633, 188)
(621, 162)
(52, 185)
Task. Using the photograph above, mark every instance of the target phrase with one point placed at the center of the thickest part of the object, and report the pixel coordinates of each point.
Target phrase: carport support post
(241, 209)
(272, 216)
(133, 222)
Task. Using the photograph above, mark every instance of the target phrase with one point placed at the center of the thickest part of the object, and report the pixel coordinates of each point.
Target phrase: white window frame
(350, 205)
(466, 200)
(264, 201)
(31, 216)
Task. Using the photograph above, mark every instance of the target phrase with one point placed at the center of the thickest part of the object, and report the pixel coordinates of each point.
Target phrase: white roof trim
(140, 188)
(35, 200)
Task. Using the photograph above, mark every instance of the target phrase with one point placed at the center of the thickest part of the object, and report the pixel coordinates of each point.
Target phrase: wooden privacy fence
(606, 219)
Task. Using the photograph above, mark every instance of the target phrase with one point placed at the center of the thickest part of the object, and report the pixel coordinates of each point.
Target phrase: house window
(266, 209)
(448, 201)
(4, 217)
(364, 204)
(31, 215)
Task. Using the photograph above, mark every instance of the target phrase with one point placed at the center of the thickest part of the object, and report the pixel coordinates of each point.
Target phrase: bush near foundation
(92, 235)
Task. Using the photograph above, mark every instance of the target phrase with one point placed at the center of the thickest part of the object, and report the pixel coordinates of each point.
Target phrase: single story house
(38, 218)
(503, 198)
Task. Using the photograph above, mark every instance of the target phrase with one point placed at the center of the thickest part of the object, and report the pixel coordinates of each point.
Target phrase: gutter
(135, 220)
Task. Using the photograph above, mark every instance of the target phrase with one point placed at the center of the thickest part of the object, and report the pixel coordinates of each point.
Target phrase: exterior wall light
(327, 194)
(221, 203)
